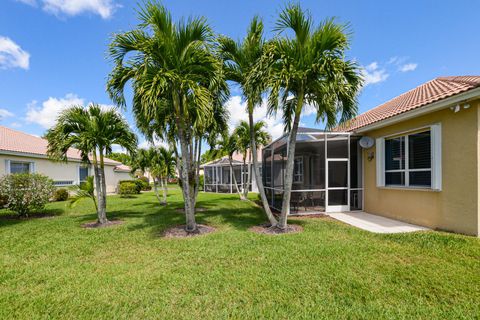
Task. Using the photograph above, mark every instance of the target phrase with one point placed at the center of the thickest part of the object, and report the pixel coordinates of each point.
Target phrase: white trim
(380, 161)
(41, 156)
(436, 149)
(432, 107)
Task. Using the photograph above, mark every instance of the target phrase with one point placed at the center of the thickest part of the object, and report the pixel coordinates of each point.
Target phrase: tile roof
(122, 167)
(21, 142)
(429, 92)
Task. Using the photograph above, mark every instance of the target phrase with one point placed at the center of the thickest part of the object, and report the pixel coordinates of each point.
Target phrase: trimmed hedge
(61, 194)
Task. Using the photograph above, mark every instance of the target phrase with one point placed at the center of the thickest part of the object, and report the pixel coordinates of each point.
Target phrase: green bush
(201, 182)
(60, 194)
(26, 192)
(144, 183)
(138, 186)
(128, 188)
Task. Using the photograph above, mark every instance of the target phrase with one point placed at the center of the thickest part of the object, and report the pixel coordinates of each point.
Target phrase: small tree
(86, 189)
(26, 193)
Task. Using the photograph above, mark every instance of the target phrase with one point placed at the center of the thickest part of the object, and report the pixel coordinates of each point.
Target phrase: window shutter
(380, 162)
(436, 141)
(7, 166)
(32, 167)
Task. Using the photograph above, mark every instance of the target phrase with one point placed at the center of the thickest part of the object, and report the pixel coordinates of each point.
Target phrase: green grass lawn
(53, 268)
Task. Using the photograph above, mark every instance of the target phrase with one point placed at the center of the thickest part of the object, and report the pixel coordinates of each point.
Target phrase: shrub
(144, 183)
(201, 182)
(138, 187)
(60, 194)
(128, 188)
(25, 192)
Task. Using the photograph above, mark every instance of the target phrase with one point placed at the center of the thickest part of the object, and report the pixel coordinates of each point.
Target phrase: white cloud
(5, 114)
(275, 126)
(408, 67)
(12, 56)
(373, 73)
(15, 125)
(238, 112)
(104, 8)
(47, 114)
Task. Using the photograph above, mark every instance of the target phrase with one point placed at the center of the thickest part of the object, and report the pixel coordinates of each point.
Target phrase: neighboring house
(420, 160)
(21, 152)
(218, 176)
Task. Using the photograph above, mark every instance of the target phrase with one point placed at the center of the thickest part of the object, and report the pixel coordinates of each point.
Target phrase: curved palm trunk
(256, 171)
(235, 179)
(287, 190)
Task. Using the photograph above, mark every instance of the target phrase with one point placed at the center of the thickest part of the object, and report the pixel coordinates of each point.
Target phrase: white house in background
(22, 152)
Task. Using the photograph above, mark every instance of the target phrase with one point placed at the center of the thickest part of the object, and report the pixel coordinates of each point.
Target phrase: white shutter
(32, 167)
(380, 162)
(7, 166)
(436, 144)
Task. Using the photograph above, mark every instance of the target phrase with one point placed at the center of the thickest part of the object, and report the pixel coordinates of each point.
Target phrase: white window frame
(436, 159)
(295, 174)
(8, 164)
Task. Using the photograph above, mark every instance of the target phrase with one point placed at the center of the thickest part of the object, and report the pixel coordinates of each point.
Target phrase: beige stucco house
(22, 152)
(415, 158)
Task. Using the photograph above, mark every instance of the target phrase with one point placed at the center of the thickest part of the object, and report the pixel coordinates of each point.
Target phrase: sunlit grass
(53, 268)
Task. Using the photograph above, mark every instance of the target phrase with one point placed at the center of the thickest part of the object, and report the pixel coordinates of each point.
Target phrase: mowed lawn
(52, 268)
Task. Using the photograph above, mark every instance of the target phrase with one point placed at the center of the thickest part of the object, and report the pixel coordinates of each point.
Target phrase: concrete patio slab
(374, 223)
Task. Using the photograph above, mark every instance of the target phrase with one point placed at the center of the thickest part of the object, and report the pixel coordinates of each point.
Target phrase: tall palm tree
(176, 79)
(308, 66)
(228, 145)
(241, 59)
(260, 137)
(93, 131)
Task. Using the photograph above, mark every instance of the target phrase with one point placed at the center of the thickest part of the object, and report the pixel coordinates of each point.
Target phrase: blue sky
(53, 52)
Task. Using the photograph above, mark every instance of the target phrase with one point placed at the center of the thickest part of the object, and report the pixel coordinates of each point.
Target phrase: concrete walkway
(374, 223)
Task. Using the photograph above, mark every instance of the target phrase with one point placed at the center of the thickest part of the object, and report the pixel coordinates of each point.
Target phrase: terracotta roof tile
(21, 142)
(429, 92)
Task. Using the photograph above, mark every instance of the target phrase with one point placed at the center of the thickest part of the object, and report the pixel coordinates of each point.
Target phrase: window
(298, 170)
(20, 166)
(410, 160)
(82, 174)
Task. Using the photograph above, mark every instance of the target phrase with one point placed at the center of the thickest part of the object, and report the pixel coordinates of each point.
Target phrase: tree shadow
(8, 218)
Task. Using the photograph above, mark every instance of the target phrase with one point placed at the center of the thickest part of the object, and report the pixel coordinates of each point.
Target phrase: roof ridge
(460, 79)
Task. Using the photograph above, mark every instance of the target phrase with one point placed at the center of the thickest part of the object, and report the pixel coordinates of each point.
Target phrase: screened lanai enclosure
(219, 176)
(327, 172)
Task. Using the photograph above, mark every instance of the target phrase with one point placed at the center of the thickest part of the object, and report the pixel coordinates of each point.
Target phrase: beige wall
(456, 206)
(65, 171)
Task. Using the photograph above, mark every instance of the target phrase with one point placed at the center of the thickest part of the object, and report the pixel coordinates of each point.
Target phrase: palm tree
(309, 67)
(261, 138)
(241, 59)
(176, 82)
(228, 145)
(93, 131)
(165, 169)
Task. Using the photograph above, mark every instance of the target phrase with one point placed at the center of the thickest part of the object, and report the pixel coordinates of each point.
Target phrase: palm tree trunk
(287, 188)
(101, 214)
(103, 206)
(235, 179)
(187, 182)
(197, 168)
(155, 188)
(165, 190)
(256, 171)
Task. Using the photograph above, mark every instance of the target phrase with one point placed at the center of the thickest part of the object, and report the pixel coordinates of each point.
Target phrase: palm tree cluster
(93, 131)
(179, 73)
(160, 163)
(239, 142)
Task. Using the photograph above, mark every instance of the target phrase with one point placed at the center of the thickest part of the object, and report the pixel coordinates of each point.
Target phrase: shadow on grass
(8, 218)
